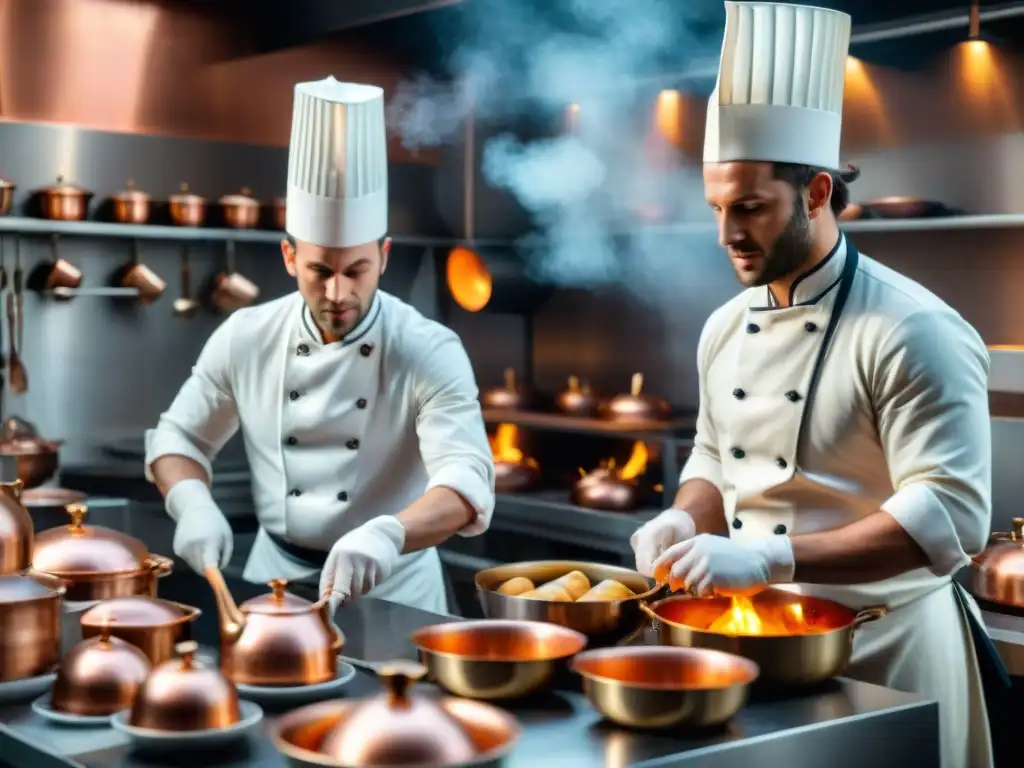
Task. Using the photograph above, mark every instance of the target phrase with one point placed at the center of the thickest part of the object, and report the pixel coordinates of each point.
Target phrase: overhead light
(974, 27)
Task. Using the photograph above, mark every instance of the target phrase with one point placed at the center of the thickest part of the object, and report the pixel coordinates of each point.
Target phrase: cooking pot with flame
(612, 488)
(514, 471)
(795, 640)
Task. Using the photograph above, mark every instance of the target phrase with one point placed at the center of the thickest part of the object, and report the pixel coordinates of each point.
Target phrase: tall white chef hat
(337, 164)
(779, 95)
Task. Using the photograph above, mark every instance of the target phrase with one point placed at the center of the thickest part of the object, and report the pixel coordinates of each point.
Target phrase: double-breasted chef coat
(897, 420)
(338, 433)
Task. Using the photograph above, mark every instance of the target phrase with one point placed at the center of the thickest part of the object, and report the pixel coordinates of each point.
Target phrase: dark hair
(800, 176)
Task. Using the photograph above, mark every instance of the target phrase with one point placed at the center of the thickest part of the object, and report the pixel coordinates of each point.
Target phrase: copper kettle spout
(232, 620)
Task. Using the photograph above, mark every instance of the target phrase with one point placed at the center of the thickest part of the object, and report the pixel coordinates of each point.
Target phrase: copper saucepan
(131, 206)
(241, 211)
(804, 658)
(37, 459)
(665, 687)
(30, 611)
(153, 625)
(187, 209)
(494, 659)
(64, 202)
(606, 621)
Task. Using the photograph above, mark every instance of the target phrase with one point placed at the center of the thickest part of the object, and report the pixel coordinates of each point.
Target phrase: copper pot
(37, 459)
(47, 506)
(278, 213)
(130, 205)
(635, 406)
(606, 489)
(30, 609)
(6, 196)
(997, 573)
(804, 658)
(97, 563)
(153, 625)
(241, 211)
(276, 639)
(511, 397)
(397, 728)
(663, 687)
(187, 209)
(577, 400)
(515, 476)
(184, 695)
(99, 676)
(63, 202)
(492, 659)
(16, 530)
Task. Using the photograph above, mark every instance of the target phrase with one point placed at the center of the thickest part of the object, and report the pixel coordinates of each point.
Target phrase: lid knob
(277, 588)
(105, 631)
(78, 512)
(1017, 532)
(187, 651)
(398, 677)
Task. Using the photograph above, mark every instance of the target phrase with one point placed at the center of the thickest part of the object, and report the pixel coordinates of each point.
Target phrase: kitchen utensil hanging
(231, 289)
(15, 309)
(6, 196)
(185, 306)
(147, 285)
(57, 277)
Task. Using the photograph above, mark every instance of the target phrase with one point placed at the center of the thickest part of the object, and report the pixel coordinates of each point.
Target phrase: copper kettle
(635, 406)
(276, 639)
(577, 400)
(511, 397)
(16, 530)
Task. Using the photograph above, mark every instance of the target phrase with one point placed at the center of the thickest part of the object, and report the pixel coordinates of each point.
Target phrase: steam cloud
(583, 188)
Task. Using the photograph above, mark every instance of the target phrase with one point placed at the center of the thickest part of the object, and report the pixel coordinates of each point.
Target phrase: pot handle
(58, 585)
(864, 615)
(159, 566)
(649, 612)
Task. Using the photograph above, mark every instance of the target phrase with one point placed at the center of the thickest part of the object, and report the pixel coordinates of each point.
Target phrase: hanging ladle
(185, 305)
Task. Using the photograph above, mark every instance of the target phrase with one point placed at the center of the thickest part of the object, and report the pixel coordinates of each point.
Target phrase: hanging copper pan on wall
(6, 196)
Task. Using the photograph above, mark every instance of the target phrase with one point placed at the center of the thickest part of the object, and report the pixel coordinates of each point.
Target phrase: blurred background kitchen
(556, 143)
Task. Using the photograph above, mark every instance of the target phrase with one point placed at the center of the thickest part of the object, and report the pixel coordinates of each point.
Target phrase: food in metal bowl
(609, 589)
(573, 587)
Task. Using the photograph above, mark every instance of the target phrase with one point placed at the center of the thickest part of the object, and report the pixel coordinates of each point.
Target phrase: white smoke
(585, 190)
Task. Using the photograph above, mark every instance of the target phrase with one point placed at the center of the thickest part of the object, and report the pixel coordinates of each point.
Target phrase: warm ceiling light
(469, 280)
(668, 115)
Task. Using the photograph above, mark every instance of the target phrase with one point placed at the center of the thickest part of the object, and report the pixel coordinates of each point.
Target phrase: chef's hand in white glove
(655, 536)
(715, 565)
(203, 536)
(362, 559)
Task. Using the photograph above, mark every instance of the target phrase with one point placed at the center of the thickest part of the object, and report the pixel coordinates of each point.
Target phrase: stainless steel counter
(853, 723)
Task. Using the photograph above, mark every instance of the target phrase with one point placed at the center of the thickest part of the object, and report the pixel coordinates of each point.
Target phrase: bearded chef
(843, 431)
(360, 417)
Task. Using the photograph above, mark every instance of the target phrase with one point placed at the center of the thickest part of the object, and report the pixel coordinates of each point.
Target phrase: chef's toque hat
(337, 164)
(779, 95)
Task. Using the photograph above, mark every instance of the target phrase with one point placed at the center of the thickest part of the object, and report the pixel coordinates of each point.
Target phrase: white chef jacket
(899, 421)
(339, 433)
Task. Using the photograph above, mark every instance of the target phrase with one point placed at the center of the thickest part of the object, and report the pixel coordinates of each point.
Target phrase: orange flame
(743, 619)
(634, 467)
(505, 446)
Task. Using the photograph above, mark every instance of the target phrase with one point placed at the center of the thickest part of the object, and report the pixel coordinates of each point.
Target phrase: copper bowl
(603, 623)
(96, 562)
(150, 624)
(578, 400)
(664, 687)
(99, 676)
(811, 656)
(607, 490)
(6, 196)
(493, 659)
(241, 211)
(184, 695)
(30, 613)
(130, 205)
(63, 202)
(187, 209)
(396, 728)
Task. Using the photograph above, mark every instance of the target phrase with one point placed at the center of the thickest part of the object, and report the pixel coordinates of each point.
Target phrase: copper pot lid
(134, 611)
(277, 602)
(396, 728)
(86, 549)
(22, 589)
(61, 189)
(51, 497)
(19, 437)
(243, 198)
(100, 662)
(184, 197)
(635, 404)
(130, 193)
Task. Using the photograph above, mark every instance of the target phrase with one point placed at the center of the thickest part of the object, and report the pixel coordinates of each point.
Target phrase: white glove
(203, 536)
(655, 536)
(715, 565)
(362, 559)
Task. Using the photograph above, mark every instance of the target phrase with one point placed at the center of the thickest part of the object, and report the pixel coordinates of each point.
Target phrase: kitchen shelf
(680, 430)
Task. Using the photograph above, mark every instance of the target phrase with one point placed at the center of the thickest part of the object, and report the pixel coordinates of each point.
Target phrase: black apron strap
(994, 675)
(310, 558)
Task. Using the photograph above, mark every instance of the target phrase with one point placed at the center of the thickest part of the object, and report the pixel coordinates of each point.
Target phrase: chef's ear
(819, 193)
(288, 254)
(385, 249)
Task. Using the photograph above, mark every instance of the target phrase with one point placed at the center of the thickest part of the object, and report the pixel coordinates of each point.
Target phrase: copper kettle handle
(323, 607)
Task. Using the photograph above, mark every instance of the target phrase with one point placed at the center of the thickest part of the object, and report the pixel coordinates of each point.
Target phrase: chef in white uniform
(843, 431)
(360, 417)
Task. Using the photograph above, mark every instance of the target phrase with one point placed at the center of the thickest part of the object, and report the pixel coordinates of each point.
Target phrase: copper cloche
(277, 638)
(635, 406)
(99, 676)
(997, 574)
(16, 530)
(185, 695)
(578, 399)
(511, 397)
